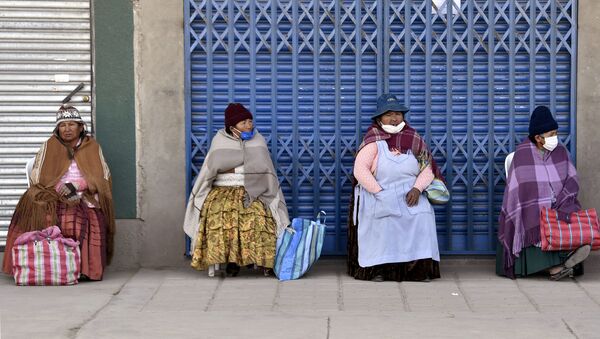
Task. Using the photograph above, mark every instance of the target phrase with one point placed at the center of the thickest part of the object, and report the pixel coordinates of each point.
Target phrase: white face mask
(550, 143)
(391, 129)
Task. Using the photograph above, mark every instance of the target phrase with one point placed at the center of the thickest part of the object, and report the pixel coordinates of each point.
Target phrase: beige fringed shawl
(51, 163)
(260, 180)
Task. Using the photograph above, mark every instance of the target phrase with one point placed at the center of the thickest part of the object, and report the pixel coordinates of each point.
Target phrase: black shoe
(232, 269)
(578, 270)
(378, 278)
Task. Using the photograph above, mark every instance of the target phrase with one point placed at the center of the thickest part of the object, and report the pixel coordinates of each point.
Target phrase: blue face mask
(246, 135)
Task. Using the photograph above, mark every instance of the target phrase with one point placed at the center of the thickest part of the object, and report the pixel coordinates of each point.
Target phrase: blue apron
(388, 230)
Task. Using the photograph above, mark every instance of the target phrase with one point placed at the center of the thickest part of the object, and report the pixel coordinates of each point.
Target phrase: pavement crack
(531, 301)
(340, 296)
(462, 292)
(74, 331)
(404, 296)
(214, 295)
(152, 296)
(586, 292)
(569, 328)
(328, 326)
(275, 303)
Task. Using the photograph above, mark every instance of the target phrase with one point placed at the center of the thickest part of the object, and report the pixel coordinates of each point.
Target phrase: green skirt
(533, 260)
(230, 233)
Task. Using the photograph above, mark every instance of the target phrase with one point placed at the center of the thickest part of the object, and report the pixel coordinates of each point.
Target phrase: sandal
(566, 271)
(577, 256)
(574, 258)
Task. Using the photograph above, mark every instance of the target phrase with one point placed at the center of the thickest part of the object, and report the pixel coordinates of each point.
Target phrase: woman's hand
(64, 190)
(67, 192)
(412, 197)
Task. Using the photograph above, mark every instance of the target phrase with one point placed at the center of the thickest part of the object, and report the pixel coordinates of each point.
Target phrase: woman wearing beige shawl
(236, 209)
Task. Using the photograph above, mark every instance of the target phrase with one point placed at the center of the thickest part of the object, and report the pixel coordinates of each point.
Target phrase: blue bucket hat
(388, 102)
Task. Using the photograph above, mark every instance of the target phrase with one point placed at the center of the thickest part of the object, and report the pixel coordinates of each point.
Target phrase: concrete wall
(140, 119)
(588, 103)
(159, 69)
(139, 76)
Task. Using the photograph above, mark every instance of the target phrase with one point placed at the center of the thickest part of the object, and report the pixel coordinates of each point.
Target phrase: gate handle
(319, 217)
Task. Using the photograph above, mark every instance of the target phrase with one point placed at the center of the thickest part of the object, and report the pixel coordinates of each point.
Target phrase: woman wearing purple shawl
(540, 175)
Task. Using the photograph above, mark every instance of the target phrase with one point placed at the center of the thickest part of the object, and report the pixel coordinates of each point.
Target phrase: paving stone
(468, 302)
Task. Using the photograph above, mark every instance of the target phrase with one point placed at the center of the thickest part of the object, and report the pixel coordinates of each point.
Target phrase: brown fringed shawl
(51, 163)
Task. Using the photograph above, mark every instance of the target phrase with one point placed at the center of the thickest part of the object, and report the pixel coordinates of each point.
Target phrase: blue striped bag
(299, 247)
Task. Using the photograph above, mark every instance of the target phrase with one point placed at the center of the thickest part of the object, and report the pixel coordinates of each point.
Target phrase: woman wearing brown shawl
(392, 231)
(236, 208)
(69, 159)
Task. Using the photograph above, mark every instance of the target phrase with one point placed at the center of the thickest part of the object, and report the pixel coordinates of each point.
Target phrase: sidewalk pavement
(469, 301)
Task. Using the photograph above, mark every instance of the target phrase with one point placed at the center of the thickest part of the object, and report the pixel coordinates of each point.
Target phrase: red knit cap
(234, 113)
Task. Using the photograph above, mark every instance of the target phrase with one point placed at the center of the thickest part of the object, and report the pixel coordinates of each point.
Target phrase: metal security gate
(45, 52)
(471, 71)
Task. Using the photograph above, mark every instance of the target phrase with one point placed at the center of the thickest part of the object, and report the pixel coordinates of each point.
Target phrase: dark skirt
(86, 225)
(533, 260)
(417, 270)
(81, 223)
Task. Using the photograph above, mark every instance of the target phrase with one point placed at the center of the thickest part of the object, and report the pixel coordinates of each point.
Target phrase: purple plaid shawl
(532, 182)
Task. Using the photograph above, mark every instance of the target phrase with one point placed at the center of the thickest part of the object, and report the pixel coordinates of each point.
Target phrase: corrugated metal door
(471, 72)
(45, 52)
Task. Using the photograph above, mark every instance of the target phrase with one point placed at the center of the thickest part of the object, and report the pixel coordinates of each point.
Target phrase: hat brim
(391, 107)
(75, 120)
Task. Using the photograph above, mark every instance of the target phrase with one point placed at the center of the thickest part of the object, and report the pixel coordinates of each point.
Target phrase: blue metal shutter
(310, 71)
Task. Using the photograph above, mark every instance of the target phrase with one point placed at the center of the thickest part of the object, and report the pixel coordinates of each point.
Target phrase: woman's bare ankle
(555, 269)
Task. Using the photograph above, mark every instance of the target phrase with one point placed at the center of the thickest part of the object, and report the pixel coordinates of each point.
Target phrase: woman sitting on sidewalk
(70, 187)
(392, 232)
(541, 175)
(236, 208)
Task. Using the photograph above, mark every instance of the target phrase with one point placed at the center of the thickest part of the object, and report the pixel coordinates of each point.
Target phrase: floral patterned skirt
(231, 233)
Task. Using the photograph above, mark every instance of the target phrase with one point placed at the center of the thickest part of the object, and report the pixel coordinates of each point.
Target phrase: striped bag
(437, 192)
(557, 235)
(46, 258)
(299, 247)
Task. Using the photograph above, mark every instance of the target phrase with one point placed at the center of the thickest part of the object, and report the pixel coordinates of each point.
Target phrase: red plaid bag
(46, 258)
(558, 235)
